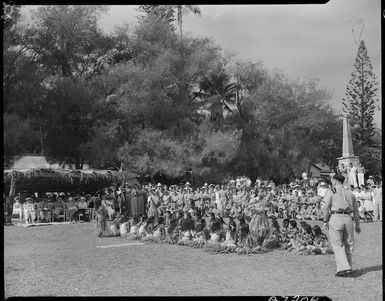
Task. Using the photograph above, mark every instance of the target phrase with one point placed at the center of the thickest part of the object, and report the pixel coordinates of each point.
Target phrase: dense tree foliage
(160, 105)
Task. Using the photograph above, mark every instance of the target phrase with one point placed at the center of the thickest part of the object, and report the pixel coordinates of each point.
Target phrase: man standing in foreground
(339, 206)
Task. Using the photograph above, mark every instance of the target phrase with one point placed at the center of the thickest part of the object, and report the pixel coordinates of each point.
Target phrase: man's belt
(341, 211)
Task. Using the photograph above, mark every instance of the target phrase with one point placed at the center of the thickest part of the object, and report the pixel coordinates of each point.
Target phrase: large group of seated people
(235, 217)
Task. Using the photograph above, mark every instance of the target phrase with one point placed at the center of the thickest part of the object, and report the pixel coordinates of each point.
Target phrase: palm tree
(185, 8)
(180, 10)
(217, 89)
(165, 12)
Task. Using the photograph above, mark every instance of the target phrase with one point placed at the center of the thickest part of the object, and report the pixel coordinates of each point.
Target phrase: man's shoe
(343, 273)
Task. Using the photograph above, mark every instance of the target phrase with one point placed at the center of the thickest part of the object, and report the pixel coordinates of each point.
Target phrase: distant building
(320, 170)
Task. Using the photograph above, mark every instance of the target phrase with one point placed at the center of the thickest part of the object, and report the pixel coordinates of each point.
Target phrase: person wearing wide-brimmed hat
(81, 209)
(340, 205)
(370, 181)
(322, 188)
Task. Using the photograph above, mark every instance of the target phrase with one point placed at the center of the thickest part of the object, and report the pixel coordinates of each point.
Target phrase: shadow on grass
(363, 271)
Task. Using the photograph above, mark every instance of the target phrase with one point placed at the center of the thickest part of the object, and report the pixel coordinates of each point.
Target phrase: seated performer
(187, 227)
(321, 244)
(243, 232)
(231, 233)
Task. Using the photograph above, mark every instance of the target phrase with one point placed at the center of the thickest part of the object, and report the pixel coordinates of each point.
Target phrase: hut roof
(60, 180)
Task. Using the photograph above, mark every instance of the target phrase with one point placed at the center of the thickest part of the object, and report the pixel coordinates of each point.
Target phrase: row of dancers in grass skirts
(243, 235)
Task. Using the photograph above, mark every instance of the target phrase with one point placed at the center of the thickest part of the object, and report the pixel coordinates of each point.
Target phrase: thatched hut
(61, 180)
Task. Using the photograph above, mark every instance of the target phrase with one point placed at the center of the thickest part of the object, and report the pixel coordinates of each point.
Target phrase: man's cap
(370, 176)
(159, 184)
(188, 183)
(339, 178)
(323, 183)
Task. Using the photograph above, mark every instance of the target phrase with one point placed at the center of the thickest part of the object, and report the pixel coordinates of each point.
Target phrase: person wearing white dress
(360, 174)
(377, 202)
(368, 201)
(353, 175)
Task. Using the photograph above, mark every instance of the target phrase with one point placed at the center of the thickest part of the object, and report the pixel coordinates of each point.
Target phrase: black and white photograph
(171, 150)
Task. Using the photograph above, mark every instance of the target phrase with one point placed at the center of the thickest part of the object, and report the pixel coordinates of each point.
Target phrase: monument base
(347, 160)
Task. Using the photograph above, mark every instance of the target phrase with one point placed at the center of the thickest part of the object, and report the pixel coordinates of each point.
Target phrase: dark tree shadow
(360, 272)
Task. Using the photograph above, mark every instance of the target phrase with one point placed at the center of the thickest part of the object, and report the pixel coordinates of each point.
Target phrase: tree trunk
(179, 18)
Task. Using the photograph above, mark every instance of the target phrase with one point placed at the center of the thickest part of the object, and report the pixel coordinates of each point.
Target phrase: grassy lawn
(66, 260)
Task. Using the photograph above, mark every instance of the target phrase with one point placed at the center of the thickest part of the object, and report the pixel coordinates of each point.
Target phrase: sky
(303, 41)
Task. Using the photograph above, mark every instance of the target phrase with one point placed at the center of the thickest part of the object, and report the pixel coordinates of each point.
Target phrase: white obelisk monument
(347, 148)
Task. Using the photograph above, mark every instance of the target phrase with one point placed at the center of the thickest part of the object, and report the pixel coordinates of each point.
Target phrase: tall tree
(69, 118)
(360, 100)
(181, 9)
(21, 89)
(67, 41)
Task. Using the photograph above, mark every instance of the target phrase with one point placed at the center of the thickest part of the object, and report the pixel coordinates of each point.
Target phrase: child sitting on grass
(320, 243)
(302, 239)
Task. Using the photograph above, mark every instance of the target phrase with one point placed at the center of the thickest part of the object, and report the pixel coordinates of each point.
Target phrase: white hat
(159, 184)
(322, 184)
(370, 176)
(187, 183)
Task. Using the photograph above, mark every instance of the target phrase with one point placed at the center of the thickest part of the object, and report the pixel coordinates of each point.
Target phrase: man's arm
(327, 206)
